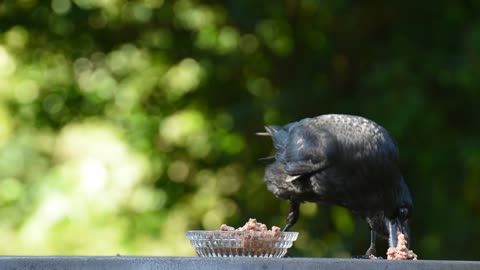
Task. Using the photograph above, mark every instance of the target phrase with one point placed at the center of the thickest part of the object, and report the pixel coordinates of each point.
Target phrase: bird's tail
(279, 137)
(269, 131)
(277, 133)
(266, 160)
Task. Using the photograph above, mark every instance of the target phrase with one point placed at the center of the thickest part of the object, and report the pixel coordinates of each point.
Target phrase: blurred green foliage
(125, 123)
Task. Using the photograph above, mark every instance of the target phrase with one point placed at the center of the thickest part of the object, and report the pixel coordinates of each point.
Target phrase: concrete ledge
(187, 263)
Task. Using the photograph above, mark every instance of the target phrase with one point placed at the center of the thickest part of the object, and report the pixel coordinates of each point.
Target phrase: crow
(344, 160)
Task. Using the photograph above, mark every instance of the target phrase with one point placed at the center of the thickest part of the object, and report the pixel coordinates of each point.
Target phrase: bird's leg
(371, 250)
(293, 214)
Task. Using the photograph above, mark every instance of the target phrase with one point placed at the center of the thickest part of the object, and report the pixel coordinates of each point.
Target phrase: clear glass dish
(241, 243)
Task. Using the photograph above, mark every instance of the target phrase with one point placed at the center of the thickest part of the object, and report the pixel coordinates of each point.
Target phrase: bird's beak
(395, 227)
(392, 233)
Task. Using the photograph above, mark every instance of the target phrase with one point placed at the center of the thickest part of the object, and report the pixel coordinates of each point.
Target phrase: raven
(344, 160)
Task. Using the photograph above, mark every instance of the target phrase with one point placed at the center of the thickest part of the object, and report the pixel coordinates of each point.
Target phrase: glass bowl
(241, 243)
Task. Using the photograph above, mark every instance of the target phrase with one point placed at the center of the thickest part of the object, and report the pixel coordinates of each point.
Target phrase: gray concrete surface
(188, 263)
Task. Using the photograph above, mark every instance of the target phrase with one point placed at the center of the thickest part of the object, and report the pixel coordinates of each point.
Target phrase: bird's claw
(367, 257)
(361, 257)
(371, 251)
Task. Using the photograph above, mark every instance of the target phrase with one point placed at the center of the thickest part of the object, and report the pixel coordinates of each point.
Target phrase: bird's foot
(367, 257)
(371, 251)
(361, 257)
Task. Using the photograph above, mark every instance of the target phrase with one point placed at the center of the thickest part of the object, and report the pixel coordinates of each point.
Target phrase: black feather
(341, 159)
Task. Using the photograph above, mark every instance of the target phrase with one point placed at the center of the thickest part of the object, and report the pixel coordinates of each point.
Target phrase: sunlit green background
(125, 123)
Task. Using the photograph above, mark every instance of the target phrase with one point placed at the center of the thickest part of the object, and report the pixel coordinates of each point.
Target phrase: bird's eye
(403, 213)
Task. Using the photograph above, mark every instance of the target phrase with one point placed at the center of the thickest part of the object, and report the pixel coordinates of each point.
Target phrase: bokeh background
(125, 123)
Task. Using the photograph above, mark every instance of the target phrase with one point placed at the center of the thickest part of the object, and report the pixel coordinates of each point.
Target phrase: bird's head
(398, 223)
(383, 224)
(394, 218)
(388, 224)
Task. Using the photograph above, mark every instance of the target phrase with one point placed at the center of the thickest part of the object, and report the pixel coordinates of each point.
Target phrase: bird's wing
(306, 149)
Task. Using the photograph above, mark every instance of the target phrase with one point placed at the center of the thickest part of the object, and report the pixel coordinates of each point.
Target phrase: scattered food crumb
(401, 252)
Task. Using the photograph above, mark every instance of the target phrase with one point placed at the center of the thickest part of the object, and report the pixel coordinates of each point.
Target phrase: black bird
(344, 160)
